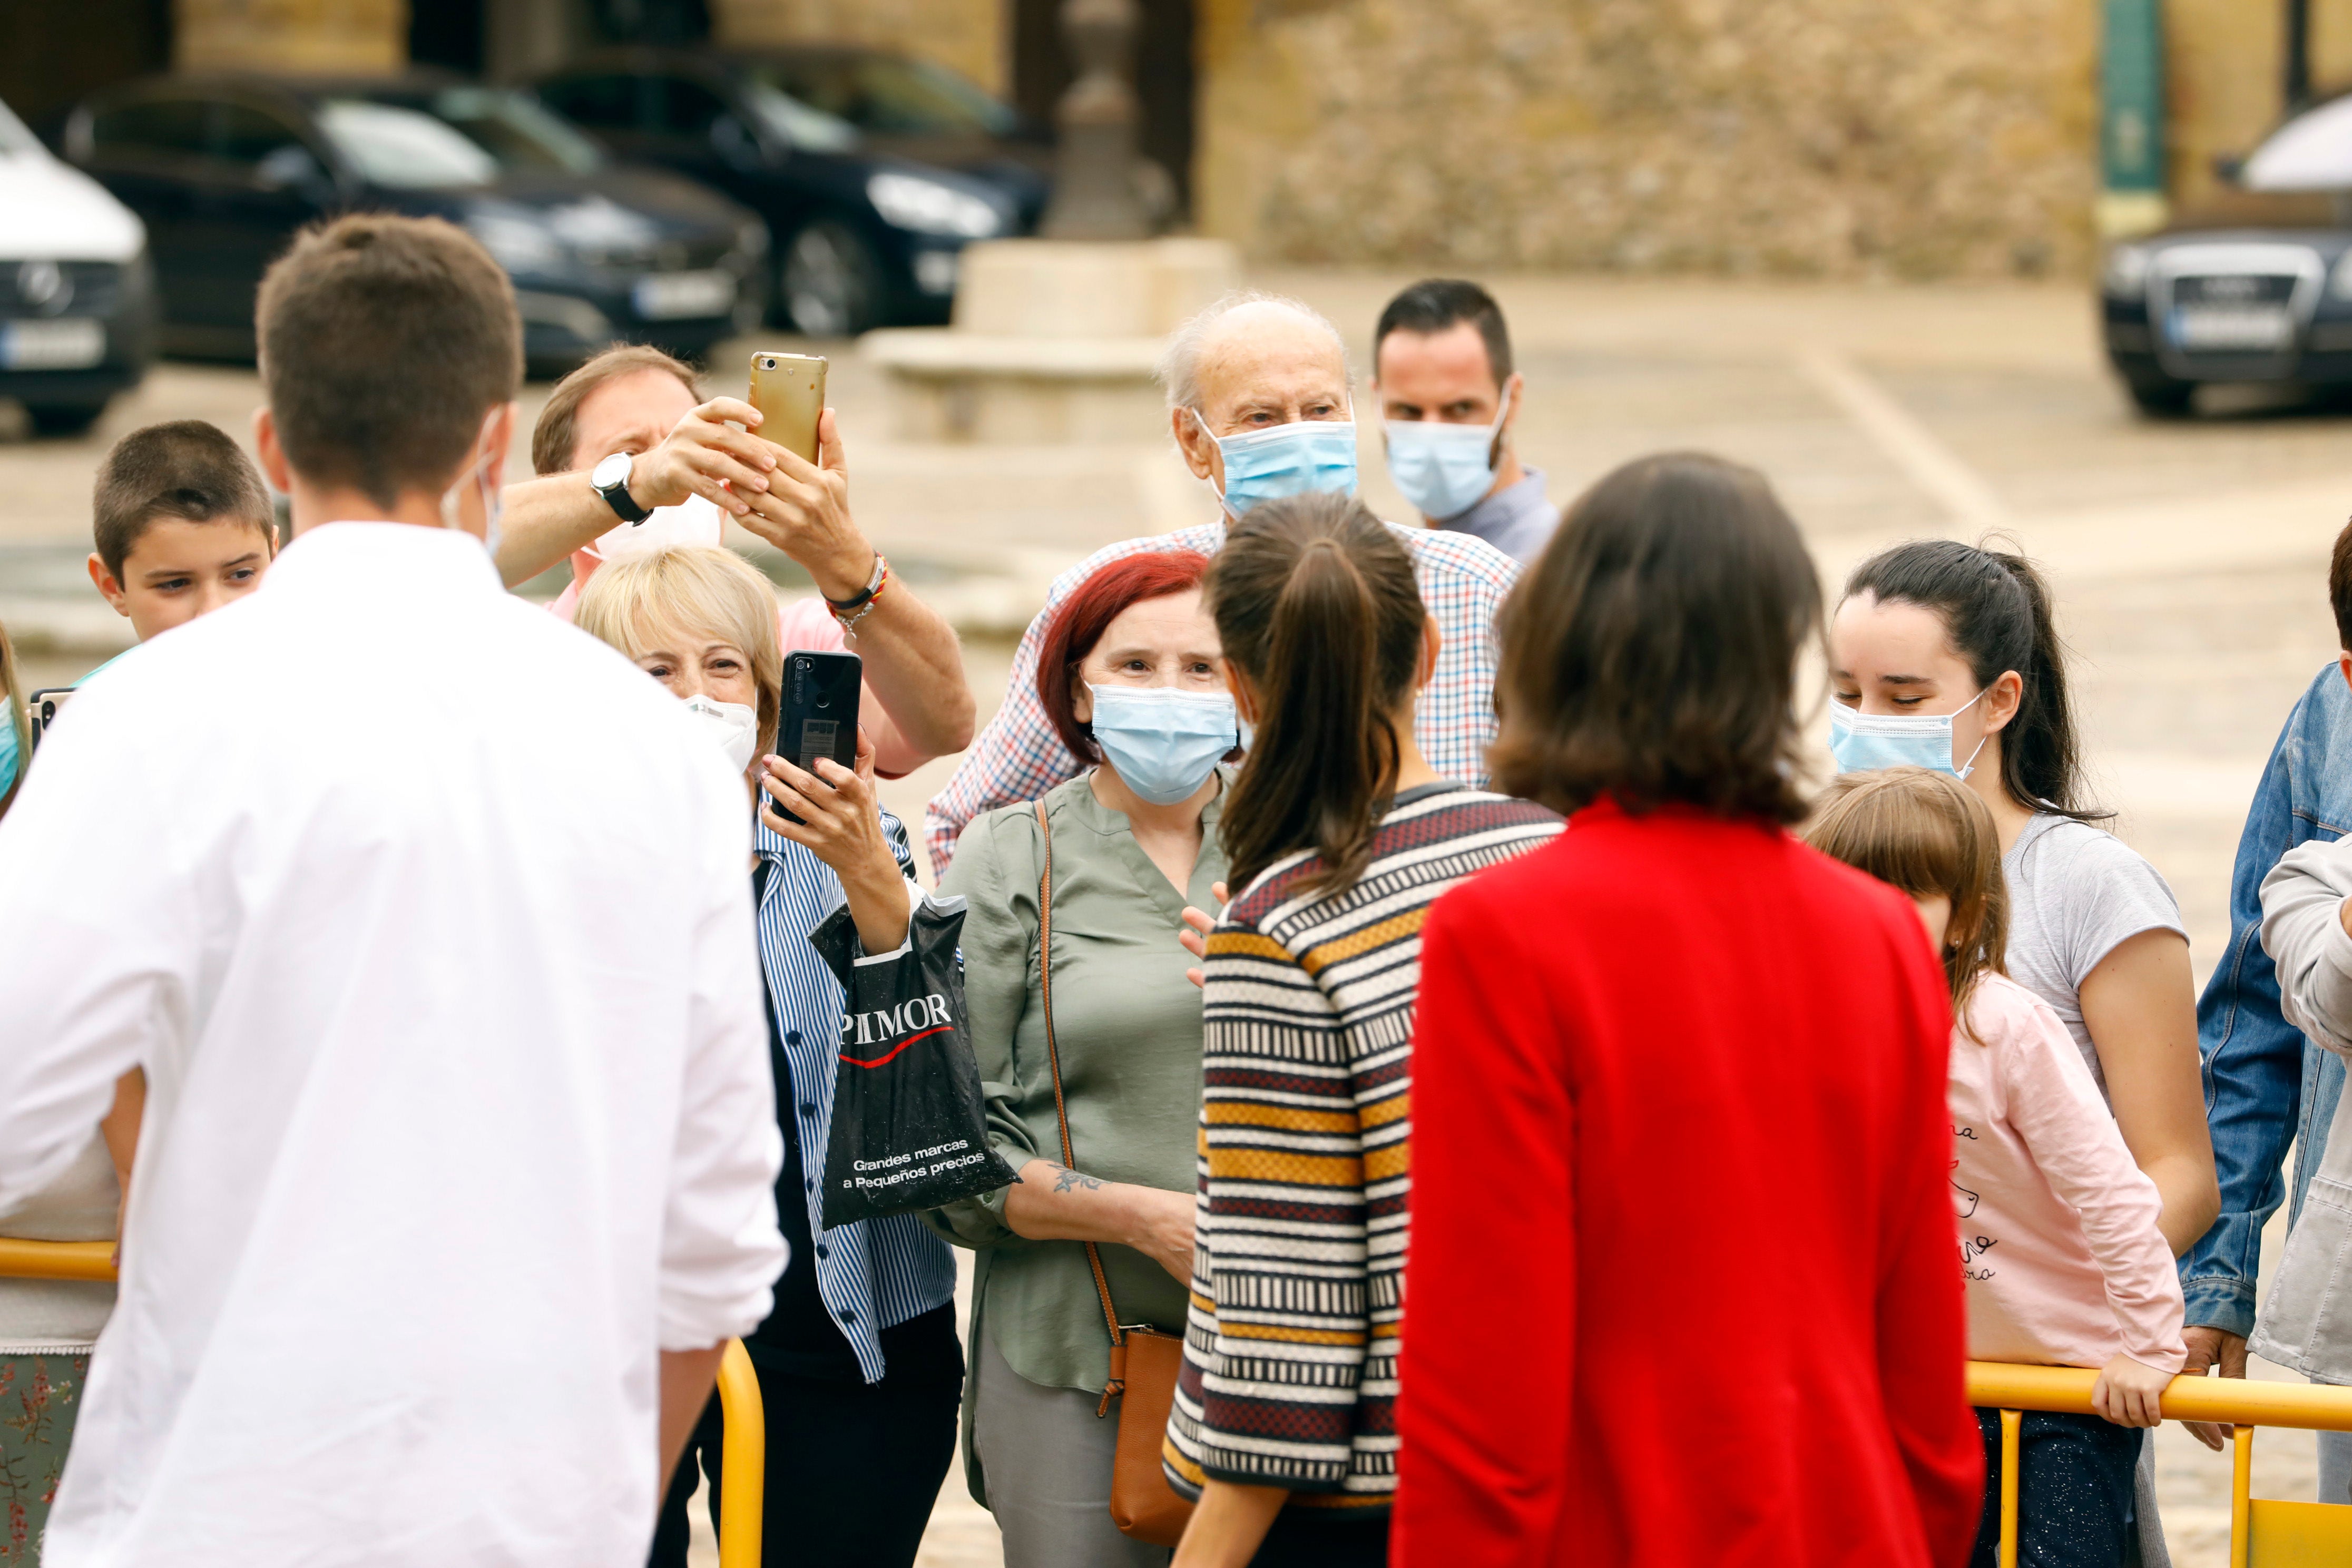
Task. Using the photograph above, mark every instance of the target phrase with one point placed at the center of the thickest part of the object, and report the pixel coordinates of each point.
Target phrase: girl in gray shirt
(1944, 655)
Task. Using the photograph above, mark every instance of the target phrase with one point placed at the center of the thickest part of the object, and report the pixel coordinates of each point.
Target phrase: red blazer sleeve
(1485, 1460)
(1923, 1328)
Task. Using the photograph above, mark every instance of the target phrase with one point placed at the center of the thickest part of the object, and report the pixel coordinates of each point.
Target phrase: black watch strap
(625, 505)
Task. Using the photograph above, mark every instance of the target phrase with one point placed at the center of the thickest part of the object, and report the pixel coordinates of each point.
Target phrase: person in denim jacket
(2265, 1083)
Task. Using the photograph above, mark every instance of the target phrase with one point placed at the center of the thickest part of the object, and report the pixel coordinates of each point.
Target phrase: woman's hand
(841, 824)
(1196, 940)
(2212, 1350)
(2129, 1393)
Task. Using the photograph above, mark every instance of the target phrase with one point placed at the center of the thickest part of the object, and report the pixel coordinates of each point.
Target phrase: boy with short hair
(182, 525)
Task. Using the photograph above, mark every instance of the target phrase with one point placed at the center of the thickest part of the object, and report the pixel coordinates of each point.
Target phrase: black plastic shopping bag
(908, 1129)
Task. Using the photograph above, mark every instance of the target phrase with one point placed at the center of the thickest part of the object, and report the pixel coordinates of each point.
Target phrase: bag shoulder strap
(1054, 1063)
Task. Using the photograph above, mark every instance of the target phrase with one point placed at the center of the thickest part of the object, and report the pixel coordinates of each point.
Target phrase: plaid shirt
(1462, 581)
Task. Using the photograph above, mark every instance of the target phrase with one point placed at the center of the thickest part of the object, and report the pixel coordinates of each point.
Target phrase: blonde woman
(859, 1365)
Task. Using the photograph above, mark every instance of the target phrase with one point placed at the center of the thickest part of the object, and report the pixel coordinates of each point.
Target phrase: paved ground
(2189, 559)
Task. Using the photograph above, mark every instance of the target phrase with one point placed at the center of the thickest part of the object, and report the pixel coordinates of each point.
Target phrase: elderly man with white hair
(1258, 398)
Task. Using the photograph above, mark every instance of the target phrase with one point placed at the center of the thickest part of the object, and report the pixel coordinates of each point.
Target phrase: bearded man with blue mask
(1261, 406)
(1449, 399)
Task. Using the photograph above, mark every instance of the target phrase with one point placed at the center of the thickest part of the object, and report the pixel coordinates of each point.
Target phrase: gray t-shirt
(2075, 893)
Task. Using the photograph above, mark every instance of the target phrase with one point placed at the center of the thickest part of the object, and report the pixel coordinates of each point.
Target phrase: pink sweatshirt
(2058, 1243)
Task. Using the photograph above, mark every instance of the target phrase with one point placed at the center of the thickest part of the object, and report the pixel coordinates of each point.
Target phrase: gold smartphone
(788, 391)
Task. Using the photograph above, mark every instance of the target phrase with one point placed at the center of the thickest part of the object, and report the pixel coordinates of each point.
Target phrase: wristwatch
(610, 478)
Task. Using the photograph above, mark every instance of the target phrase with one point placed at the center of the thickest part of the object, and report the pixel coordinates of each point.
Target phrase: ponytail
(1996, 611)
(1315, 605)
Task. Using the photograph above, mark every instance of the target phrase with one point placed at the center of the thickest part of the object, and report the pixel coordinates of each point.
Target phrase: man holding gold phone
(631, 458)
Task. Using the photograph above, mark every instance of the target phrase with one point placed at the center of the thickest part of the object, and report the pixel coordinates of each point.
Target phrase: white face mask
(734, 728)
(493, 499)
(694, 521)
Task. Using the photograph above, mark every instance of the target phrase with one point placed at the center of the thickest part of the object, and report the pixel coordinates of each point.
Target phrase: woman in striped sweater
(1340, 834)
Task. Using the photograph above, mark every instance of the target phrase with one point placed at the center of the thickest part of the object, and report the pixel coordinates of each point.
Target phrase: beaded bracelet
(861, 607)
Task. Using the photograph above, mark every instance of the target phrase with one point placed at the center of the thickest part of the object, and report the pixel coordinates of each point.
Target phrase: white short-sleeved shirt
(2076, 894)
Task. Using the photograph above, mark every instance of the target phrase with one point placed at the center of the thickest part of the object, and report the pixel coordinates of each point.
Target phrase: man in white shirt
(428, 917)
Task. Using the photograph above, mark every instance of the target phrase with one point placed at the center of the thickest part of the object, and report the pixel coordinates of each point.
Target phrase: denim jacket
(2265, 1083)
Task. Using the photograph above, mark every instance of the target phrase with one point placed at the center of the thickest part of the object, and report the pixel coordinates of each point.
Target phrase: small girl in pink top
(2058, 1234)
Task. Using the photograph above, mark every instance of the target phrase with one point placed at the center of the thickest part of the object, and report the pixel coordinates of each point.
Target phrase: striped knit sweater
(1290, 1344)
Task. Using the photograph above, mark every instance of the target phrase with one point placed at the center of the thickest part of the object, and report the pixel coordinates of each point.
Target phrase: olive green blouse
(1129, 1025)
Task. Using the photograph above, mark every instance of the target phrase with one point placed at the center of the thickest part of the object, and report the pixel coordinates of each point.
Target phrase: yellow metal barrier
(2264, 1532)
(743, 1460)
(742, 1469)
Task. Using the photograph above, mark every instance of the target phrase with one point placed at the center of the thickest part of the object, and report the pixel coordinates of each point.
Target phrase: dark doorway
(59, 51)
(446, 33)
(1163, 78)
(665, 21)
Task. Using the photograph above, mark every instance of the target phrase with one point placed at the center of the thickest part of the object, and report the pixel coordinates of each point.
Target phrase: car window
(151, 125)
(812, 130)
(886, 96)
(402, 148)
(515, 129)
(599, 102)
(2313, 151)
(684, 107)
(246, 134)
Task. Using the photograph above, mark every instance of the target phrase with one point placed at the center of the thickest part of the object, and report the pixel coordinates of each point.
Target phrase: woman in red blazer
(1682, 1288)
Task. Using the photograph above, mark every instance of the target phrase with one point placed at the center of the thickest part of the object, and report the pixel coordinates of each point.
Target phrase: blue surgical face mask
(1308, 455)
(7, 752)
(1164, 742)
(1862, 740)
(1444, 469)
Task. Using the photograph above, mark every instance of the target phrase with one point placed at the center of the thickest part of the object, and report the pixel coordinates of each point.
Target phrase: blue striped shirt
(877, 1273)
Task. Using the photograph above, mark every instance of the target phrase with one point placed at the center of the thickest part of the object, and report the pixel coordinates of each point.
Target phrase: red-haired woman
(1133, 676)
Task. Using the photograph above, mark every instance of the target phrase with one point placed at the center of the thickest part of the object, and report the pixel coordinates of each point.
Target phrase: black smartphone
(41, 709)
(819, 712)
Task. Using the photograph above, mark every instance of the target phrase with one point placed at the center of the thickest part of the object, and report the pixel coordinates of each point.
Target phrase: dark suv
(872, 171)
(2254, 287)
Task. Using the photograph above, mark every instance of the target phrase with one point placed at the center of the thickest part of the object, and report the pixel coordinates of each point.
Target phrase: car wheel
(830, 284)
(64, 419)
(2160, 397)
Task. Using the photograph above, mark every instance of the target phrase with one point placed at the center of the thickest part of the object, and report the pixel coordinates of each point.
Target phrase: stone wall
(1811, 137)
(329, 36)
(2224, 78)
(969, 35)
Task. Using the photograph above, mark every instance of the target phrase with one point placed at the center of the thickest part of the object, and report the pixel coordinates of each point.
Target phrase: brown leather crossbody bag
(1143, 1361)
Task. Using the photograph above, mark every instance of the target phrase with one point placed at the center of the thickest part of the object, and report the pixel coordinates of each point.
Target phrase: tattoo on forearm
(1065, 1179)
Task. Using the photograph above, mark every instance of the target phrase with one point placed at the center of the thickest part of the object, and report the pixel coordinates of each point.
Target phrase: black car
(2257, 287)
(225, 169)
(872, 171)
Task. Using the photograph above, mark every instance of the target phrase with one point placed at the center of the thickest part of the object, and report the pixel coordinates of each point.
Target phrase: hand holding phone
(805, 514)
(818, 712)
